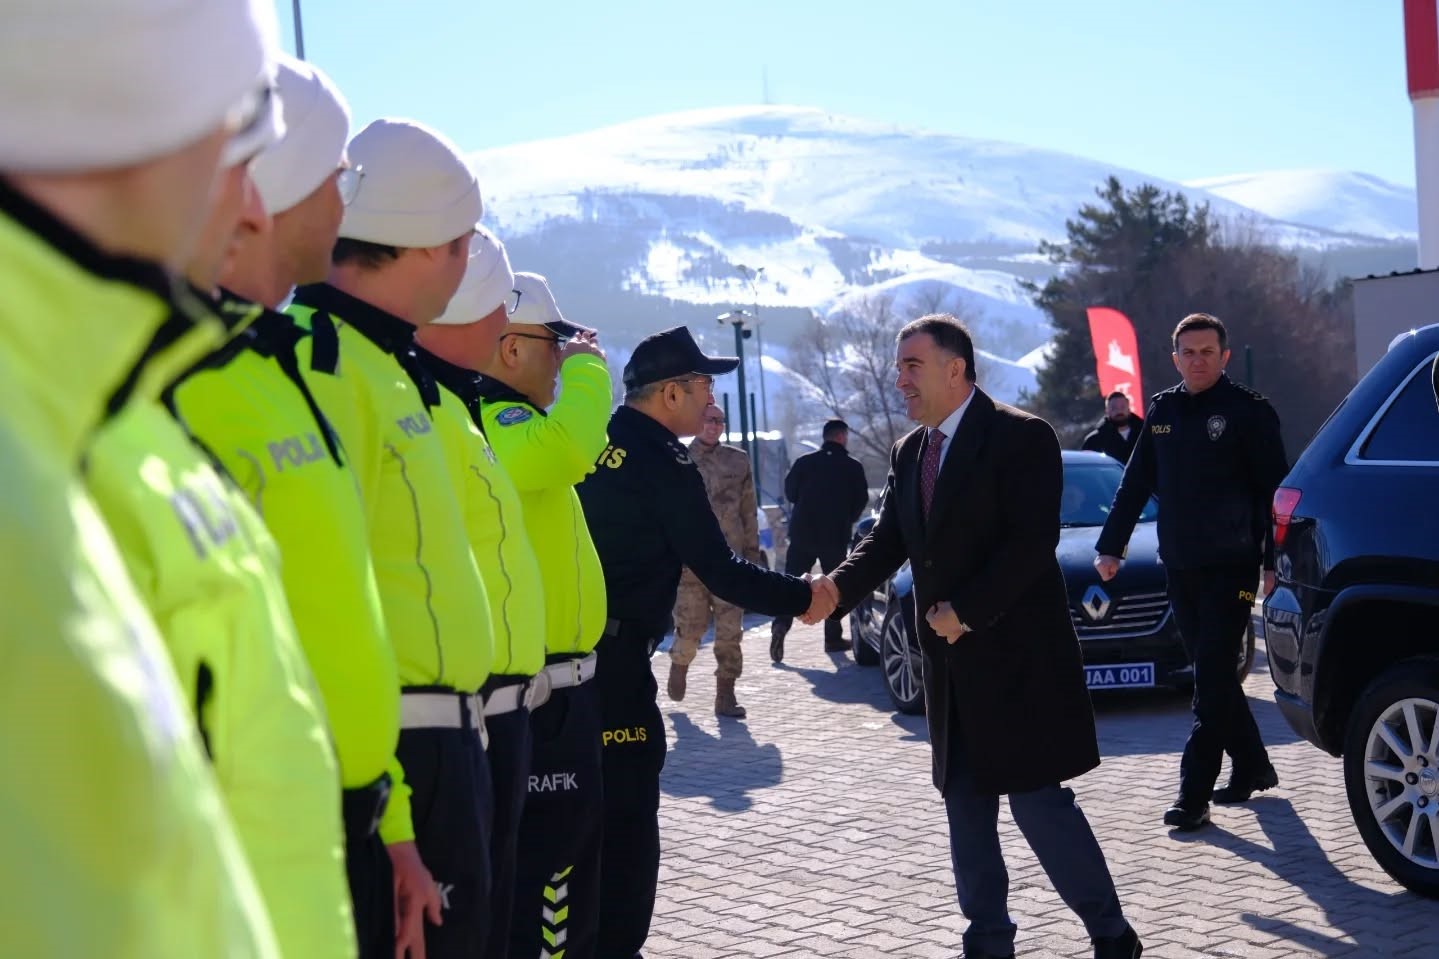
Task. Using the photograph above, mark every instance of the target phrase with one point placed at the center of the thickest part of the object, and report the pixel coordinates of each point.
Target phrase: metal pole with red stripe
(1421, 54)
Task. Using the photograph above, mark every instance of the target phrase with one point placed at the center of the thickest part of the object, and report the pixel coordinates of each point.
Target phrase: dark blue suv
(1352, 627)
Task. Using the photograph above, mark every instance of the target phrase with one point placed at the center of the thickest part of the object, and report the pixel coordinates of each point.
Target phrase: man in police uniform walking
(729, 481)
(548, 445)
(1213, 455)
(649, 515)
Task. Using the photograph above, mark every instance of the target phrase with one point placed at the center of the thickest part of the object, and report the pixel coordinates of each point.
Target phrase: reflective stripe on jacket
(546, 454)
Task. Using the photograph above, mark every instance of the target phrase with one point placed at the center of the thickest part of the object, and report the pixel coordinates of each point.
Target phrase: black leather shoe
(971, 954)
(1186, 817)
(836, 644)
(1126, 946)
(1241, 788)
(776, 647)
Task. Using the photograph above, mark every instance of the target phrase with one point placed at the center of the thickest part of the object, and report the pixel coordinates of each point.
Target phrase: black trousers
(372, 885)
(633, 748)
(557, 879)
(452, 804)
(800, 559)
(509, 756)
(1055, 828)
(1212, 607)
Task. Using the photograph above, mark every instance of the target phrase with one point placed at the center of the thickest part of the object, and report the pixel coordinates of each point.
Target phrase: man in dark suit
(1119, 432)
(829, 492)
(973, 503)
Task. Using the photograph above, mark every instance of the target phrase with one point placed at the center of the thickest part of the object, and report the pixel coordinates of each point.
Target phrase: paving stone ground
(811, 829)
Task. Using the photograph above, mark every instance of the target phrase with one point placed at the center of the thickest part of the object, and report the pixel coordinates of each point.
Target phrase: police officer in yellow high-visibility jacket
(451, 347)
(547, 446)
(401, 255)
(251, 408)
(208, 569)
(113, 839)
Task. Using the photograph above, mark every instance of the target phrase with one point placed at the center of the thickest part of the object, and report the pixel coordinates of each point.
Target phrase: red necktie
(929, 467)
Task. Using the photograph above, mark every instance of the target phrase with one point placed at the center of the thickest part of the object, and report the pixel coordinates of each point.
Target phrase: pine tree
(1155, 258)
(1120, 253)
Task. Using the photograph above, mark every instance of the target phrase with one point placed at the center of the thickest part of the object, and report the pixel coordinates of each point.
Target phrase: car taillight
(1286, 501)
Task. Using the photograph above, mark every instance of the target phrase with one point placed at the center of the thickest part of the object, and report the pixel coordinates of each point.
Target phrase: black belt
(630, 630)
(363, 808)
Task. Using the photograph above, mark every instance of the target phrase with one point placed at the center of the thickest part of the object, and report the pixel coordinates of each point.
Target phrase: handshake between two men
(824, 600)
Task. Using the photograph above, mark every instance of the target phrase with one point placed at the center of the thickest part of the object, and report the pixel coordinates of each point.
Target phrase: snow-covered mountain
(645, 224)
(1331, 199)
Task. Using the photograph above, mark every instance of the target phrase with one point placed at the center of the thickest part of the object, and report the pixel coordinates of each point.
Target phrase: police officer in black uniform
(648, 513)
(1212, 453)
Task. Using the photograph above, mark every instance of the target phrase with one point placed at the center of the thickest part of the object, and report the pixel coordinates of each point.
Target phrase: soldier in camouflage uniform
(730, 485)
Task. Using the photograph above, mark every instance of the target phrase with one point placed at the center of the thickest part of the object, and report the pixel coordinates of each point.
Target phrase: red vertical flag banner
(1116, 355)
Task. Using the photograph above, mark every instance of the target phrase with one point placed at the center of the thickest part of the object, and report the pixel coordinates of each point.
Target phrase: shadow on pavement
(917, 727)
(845, 683)
(1294, 856)
(725, 768)
(1167, 717)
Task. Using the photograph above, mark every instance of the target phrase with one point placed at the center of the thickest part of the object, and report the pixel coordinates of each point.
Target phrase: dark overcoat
(1009, 697)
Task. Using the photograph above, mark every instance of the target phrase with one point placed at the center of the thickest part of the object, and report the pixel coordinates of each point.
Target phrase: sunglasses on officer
(685, 381)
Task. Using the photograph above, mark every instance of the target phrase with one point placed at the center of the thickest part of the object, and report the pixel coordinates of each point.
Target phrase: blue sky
(1177, 90)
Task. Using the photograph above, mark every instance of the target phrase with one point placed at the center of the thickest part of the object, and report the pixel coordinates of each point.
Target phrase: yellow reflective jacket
(495, 525)
(115, 841)
(434, 602)
(546, 454)
(208, 570)
(248, 404)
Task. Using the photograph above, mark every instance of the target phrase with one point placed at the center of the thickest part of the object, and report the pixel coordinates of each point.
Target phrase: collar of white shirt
(950, 426)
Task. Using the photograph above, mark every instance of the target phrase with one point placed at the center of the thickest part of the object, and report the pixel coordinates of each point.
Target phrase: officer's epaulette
(681, 454)
(1249, 392)
(1165, 394)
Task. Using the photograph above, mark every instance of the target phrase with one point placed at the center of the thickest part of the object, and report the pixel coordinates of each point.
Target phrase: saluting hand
(586, 342)
(945, 621)
(416, 897)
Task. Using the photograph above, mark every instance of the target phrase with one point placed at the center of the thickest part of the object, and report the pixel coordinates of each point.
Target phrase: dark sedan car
(1125, 627)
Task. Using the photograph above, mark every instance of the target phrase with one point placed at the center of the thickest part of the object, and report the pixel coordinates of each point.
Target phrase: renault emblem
(1095, 603)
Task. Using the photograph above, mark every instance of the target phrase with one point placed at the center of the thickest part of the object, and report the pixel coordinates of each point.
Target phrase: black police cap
(671, 354)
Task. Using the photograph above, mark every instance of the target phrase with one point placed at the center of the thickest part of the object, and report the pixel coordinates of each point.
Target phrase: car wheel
(1246, 654)
(902, 661)
(865, 622)
(1391, 772)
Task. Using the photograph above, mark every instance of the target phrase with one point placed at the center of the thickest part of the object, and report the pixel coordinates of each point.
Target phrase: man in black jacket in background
(829, 491)
(1119, 432)
(1213, 455)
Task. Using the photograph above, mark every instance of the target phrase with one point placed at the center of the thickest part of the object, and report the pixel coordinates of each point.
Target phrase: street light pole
(752, 277)
(736, 319)
(299, 32)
